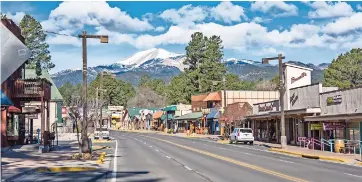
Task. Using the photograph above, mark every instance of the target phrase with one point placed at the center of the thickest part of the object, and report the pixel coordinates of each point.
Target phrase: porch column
(277, 131)
(267, 130)
(48, 116)
(42, 124)
(309, 130)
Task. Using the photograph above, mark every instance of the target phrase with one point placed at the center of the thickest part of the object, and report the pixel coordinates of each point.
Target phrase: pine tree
(35, 38)
(345, 71)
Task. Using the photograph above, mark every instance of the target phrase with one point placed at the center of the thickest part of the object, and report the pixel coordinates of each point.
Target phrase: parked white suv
(242, 135)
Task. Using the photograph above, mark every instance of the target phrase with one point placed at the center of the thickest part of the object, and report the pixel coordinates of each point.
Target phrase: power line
(61, 34)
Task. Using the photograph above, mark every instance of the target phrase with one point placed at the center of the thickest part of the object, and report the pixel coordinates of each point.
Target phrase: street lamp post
(283, 138)
(84, 36)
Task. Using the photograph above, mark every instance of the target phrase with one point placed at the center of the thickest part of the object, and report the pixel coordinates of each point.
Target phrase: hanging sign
(293, 79)
(333, 126)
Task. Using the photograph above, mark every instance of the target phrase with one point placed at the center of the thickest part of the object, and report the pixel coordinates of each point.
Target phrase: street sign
(32, 116)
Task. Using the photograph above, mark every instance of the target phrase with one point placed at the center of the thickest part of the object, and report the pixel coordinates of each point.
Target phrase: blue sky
(310, 32)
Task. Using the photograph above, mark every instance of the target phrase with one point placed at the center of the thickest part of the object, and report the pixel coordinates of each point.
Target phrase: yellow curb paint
(332, 159)
(65, 169)
(285, 152)
(223, 141)
(307, 155)
(257, 168)
(359, 163)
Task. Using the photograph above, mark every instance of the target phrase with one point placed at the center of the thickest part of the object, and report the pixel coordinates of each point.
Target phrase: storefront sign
(293, 79)
(115, 108)
(32, 116)
(333, 126)
(337, 99)
(316, 127)
(266, 107)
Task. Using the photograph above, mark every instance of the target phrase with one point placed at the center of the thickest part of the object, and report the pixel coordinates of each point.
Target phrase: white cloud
(228, 12)
(277, 8)
(75, 15)
(187, 15)
(261, 20)
(16, 17)
(359, 7)
(345, 24)
(329, 9)
(160, 29)
(266, 51)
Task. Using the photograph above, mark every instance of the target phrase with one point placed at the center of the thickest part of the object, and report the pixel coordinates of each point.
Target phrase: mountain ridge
(161, 64)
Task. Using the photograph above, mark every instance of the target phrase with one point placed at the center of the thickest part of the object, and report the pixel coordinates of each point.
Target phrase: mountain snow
(239, 61)
(136, 60)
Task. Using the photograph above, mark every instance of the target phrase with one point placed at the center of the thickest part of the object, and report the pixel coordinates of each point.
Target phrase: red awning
(14, 109)
(157, 115)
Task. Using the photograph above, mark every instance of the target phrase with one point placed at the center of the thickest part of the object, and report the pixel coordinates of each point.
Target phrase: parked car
(101, 133)
(242, 135)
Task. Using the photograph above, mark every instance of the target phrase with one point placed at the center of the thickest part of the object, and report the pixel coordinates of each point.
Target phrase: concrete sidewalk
(21, 160)
(314, 154)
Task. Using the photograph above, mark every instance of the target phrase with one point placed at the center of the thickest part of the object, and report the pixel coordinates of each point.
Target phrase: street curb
(223, 141)
(12, 178)
(358, 163)
(308, 156)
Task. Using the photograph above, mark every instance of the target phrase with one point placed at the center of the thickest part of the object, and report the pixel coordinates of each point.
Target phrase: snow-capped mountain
(154, 56)
(162, 64)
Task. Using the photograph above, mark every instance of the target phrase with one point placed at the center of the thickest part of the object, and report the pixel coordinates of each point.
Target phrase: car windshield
(246, 131)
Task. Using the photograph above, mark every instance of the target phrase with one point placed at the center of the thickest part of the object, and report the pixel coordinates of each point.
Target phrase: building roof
(198, 97)
(190, 116)
(213, 96)
(55, 94)
(157, 115)
(5, 101)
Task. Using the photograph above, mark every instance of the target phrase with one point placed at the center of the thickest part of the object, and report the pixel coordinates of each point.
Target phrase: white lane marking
(286, 161)
(353, 175)
(188, 168)
(222, 148)
(145, 143)
(114, 174)
(247, 153)
(206, 145)
(168, 157)
(150, 146)
(156, 150)
(193, 142)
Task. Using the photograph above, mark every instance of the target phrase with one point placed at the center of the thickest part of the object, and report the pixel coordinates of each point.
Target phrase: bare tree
(147, 98)
(76, 113)
(266, 86)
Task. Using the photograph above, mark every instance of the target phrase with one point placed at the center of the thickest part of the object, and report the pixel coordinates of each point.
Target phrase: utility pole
(84, 36)
(101, 89)
(97, 105)
(283, 138)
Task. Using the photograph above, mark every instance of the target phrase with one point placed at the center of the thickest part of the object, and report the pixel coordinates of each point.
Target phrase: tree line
(204, 72)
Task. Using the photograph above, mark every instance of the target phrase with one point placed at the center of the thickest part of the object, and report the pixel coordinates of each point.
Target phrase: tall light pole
(84, 36)
(283, 138)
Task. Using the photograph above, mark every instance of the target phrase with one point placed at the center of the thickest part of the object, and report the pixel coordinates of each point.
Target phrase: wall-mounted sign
(32, 116)
(333, 126)
(266, 107)
(115, 108)
(294, 79)
(316, 127)
(337, 99)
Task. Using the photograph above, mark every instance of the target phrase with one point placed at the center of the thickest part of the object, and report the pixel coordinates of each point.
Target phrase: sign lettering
(337, 99)
(333, 126)
(293, 79)
(265, 107)
(316, 127)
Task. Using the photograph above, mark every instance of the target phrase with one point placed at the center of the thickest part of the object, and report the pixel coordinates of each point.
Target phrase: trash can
(338, 144)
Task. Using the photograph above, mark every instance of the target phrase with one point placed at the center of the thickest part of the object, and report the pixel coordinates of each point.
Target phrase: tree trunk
(85, 142)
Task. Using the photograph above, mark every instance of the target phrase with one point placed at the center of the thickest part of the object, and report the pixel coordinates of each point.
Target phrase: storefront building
(341, 116)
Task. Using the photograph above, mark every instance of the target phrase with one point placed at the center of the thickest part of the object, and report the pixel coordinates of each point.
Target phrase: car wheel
(230, 141)
(251, 143)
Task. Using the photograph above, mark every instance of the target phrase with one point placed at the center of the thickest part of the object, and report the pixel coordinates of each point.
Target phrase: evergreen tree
(195, 51)
(345, 71)
(180, 89)
(35, 38)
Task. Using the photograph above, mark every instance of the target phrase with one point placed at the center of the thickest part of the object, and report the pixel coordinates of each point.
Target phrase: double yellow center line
(227, 159)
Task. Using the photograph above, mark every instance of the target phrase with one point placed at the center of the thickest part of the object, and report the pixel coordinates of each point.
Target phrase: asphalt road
(153, 157)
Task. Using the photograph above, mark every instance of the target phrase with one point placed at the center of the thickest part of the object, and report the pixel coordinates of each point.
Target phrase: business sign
(316, 127)
(115, 108)
(32, 116)
(294, 79)
(333, 126)
(266, 107)
(337, 99)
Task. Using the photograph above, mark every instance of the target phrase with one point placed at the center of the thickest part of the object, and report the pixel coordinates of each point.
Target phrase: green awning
(190, 116)
(169, 117)
(170, 108)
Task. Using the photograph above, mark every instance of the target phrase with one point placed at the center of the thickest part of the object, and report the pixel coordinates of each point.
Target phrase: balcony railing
(32, 89)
